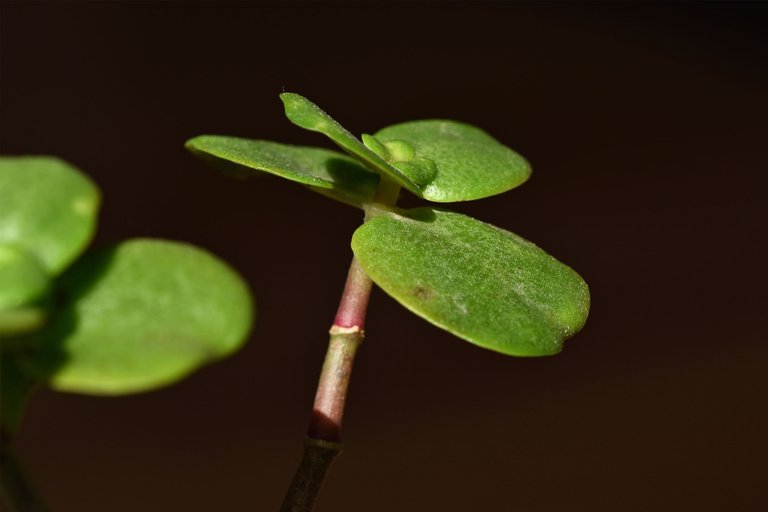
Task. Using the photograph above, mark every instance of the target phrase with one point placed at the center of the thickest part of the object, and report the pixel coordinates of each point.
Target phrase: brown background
(646, 127)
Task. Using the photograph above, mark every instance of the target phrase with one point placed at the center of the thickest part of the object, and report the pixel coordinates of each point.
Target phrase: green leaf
(481, 283)
(142, 315)
(302, 112)
(469, 163)
(328, 172)
(48, 209)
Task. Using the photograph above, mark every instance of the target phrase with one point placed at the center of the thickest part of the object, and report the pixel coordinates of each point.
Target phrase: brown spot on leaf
(422, 293)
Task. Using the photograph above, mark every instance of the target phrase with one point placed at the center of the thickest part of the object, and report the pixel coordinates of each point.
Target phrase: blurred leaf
(48, 208)
(302, 112)
(469, 163)
(328, 172)
(479, 282)
(143, 315)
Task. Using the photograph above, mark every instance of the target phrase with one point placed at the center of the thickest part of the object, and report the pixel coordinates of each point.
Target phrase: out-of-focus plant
(122, 319)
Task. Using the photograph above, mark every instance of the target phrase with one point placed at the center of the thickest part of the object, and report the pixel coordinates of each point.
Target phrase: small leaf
(481, 283)
(143, 315)
(329, 172)
(402, 155)
(399, 151)
(305, 114)
(470, 164)
(420, 168)
(48, 209)
(377, 147)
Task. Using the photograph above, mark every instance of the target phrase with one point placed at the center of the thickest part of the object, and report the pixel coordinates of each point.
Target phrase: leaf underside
(329, 172)
(481, 283)
(142, 315)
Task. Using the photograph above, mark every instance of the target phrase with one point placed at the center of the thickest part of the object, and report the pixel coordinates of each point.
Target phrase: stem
(16, 491)
(354, 299)
(323, 442)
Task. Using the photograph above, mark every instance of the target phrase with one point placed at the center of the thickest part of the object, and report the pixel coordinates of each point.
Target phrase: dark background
(646, 127)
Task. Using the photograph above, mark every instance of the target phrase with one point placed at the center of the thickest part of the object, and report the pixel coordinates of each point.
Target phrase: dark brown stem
(305, 487)
(16, 491)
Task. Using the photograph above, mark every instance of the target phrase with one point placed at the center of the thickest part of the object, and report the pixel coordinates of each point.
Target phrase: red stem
(354, 299)
(346, 336)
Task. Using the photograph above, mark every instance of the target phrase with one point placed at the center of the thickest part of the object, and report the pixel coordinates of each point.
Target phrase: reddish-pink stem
(354, 299)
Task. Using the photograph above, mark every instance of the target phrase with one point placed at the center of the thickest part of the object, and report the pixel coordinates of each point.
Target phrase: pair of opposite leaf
(121, 319)
(481, 283)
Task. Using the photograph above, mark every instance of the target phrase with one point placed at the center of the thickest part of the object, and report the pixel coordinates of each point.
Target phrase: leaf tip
(291, 101)
(192, 143)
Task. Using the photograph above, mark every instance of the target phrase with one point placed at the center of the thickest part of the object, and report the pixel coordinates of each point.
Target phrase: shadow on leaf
(50, 354)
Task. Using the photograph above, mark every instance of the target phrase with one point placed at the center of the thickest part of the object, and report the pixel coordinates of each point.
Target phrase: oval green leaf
(470, 164)
(305, 114)
(142, 315)
(481, 283)
(48, 209)
(329, 172)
